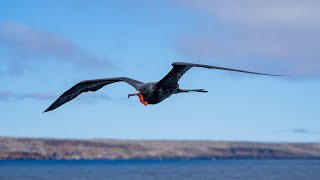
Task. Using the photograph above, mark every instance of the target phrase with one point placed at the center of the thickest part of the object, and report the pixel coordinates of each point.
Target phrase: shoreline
(109, 149)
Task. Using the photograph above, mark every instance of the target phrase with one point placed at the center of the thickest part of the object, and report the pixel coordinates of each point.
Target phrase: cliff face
(27, 148)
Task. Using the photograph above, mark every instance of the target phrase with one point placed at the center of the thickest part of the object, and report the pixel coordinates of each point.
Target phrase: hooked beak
(134, 94)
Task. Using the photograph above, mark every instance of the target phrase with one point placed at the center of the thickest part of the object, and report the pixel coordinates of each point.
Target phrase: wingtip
(48, 109)
(278, 75)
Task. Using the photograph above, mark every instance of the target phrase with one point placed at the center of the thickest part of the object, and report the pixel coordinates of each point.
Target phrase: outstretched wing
(179, 68)
(89, 85)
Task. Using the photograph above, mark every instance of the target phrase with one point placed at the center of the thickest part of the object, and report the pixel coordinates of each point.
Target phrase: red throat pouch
(142, 100)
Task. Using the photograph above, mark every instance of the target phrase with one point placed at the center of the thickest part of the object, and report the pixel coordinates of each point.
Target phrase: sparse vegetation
(29, 148)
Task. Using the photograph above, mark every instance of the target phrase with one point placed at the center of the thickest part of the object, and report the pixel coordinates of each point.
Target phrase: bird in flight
(148, 93)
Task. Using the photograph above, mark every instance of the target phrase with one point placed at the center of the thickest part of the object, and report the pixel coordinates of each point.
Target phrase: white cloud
(281, 34)
(29, 44)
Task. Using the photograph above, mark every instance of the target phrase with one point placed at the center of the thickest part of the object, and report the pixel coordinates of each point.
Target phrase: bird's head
(141, 92)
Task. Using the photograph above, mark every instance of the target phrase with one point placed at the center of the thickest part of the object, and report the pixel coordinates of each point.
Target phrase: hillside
(29, 148)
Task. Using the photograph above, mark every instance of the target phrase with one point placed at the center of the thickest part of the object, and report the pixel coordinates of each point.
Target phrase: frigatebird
(148, 93)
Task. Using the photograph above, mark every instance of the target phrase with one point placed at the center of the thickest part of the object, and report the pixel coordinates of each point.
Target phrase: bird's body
(148, 93)
(155, 94)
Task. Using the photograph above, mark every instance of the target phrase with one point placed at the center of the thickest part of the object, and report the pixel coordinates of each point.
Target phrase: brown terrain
(29, 148)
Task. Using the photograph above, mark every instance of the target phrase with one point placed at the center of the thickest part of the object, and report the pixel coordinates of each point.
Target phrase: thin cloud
(42, 96)
(301, 131)
(30, 44)
(9, 95)
(304, 131)
(281, 36)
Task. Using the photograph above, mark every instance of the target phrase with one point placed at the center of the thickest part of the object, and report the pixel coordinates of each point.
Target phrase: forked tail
(192, 90)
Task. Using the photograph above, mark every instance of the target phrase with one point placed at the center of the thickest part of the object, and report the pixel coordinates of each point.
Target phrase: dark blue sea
(161, 169)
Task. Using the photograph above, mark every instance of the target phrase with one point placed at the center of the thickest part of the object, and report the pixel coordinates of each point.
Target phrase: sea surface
(161, 169)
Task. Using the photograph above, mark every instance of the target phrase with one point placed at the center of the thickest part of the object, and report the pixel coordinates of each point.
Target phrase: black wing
(179, 68)
(89, 85)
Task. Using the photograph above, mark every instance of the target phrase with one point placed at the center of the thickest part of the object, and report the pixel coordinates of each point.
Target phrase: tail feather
(192, 90)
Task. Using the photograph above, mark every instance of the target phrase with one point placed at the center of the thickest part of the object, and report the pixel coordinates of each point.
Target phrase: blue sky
(47, 46)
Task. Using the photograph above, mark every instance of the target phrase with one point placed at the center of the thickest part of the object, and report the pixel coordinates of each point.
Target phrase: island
(109, 149)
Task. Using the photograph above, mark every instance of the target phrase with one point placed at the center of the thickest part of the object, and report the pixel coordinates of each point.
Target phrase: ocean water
(161, 169)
